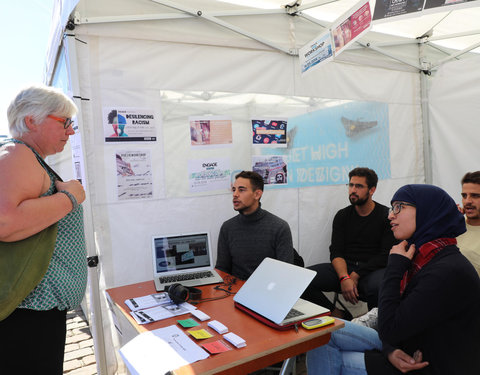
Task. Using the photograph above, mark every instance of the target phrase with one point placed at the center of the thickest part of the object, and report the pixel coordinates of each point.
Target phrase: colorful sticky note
(200, 334)
(187, 323)
(216, 347)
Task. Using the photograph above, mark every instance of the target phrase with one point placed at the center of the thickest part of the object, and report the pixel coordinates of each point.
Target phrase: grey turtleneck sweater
(245, 240)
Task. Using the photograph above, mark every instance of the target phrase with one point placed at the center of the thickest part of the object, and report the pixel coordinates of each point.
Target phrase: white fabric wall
(454, 104)
(131, 72)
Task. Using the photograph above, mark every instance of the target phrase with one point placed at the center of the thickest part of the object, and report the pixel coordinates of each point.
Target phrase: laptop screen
(181, 252)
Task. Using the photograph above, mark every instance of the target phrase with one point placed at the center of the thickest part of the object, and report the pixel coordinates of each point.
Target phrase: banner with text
(326, 144)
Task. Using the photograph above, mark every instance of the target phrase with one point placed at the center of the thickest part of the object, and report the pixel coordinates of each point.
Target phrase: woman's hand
(74, 187)
(404, 363)
(401, 249)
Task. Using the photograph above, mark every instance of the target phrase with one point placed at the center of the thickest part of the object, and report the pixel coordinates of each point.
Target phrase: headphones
(179, 293)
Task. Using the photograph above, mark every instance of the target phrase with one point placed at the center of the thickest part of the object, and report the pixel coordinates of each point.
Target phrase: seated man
(254, 234)
(469, 242)
(361, 240)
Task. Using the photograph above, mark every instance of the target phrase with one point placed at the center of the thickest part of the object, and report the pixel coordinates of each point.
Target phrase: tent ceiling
(450, 34)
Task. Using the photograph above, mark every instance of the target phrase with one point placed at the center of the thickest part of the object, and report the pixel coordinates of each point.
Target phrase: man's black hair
(255, 179)
(368, 173)
(471, 178)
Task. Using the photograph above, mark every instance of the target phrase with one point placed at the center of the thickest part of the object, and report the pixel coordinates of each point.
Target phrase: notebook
(183, 258)
(273, 290)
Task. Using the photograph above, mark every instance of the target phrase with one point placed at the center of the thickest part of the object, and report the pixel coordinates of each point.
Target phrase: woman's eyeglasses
(65, 121)
(397, 207)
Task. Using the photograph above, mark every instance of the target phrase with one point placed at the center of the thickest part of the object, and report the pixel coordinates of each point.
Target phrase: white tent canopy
(197, 58)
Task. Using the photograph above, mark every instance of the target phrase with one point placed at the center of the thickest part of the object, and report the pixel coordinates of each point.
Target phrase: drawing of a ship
(355, 127)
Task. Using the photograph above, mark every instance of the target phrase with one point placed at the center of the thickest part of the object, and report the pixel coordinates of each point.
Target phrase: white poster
(134, 175)
(129, 125)
(315, 52)
(209, 174)
(273, 168)
(210, 131)
(77, 156)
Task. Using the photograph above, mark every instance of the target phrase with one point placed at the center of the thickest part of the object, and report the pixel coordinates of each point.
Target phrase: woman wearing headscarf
(429, 302)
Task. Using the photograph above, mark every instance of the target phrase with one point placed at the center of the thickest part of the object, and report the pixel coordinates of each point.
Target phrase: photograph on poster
(129, 124)
(211, 131)
(273, 168)
(347, 30)
(269, 132)
(209, 174)
(134, 174)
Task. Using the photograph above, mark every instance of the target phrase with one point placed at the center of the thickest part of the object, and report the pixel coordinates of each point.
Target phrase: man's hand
(401, 249)
(349, 290)
(404, 363)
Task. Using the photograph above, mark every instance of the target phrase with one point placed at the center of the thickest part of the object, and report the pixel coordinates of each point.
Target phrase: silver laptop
(274, 290)
(183, 258)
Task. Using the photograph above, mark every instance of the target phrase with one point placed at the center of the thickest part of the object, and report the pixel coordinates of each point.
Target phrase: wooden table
(265, 345)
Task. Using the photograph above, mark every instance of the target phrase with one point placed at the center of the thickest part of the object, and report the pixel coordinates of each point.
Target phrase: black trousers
(33, 342)
(326, 280)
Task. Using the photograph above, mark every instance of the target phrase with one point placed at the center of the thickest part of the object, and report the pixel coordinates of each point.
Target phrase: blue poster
(323, 146)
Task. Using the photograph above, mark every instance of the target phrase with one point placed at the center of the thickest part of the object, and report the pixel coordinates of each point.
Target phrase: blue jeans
(344, 354)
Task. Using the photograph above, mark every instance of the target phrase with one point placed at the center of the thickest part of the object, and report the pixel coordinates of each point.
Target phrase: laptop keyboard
(293, 314)
(185, 276)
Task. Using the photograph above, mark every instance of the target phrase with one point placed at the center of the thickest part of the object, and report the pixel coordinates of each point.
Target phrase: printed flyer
(134, 175)
(358, 22)
(209, 174)
(316, 52)
(211, 131)
(270, 132)
(129, 125)
(273, 168)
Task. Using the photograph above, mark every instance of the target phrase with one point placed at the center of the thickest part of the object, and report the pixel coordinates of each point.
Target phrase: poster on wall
(129, 124)
(325, 145)
(210, 131)
(392, 8)
(316, 52)
(385, 9)
(209, 174)
(270, 132)
(134, 174)
(77, 155)
(273, 168)
(351, 26)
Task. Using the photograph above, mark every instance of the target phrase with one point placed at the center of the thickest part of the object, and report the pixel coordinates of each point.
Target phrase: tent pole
(98, 334)
(427, 155)
(217, 21)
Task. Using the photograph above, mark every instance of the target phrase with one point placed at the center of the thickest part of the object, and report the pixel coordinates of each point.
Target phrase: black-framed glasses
(397, 207)
(67, 122)
(357, 186)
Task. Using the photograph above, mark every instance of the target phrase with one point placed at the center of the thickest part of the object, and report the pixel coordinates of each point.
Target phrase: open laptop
(183, 258)
(274, 290)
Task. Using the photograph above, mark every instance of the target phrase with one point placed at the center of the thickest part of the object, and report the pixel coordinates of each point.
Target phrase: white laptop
(274, 290)
(183, 258)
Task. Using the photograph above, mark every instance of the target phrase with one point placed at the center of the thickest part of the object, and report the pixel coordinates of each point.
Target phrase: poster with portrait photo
(210, 131)
(129, 125)
(134, 174)
(269, 132)
(272, 168)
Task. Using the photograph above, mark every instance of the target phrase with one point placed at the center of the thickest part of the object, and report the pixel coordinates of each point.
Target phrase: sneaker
(370, 319)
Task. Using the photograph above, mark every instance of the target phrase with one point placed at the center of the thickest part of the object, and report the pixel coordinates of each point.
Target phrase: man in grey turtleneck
(254, 234)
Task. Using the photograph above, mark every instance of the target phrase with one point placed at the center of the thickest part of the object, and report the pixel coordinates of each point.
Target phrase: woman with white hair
(32, 199)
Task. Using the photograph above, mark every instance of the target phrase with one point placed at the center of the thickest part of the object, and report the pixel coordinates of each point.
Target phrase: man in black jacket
(361, 240)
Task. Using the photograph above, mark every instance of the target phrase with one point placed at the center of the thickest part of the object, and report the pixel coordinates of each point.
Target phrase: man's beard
(359, 201)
